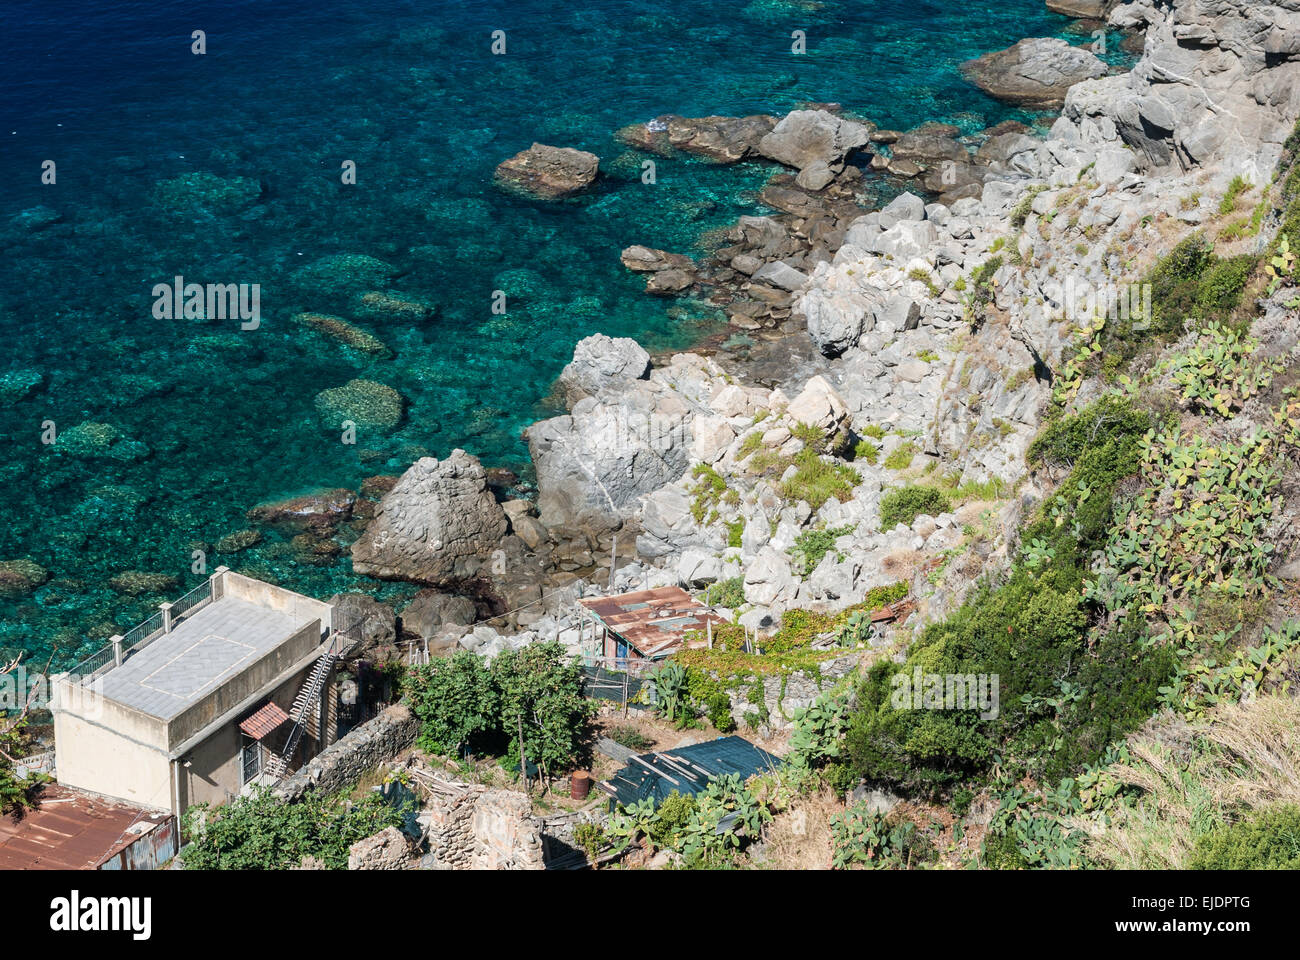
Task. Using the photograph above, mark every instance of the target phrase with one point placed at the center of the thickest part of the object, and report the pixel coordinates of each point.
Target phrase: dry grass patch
(1196, 778)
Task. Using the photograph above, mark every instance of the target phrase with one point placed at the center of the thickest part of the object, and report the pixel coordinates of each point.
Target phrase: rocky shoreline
(913, 346)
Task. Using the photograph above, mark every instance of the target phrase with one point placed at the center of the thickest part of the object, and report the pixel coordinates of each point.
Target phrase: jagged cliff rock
(440, 523)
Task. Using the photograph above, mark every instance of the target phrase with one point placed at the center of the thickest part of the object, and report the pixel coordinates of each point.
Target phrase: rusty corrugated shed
(654, 622)
(70, 830)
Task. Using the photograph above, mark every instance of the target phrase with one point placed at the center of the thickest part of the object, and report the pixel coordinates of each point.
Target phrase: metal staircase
(307, 697)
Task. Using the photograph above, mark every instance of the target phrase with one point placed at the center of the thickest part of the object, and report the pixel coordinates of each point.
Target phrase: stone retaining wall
(800, 689)
(365, 748)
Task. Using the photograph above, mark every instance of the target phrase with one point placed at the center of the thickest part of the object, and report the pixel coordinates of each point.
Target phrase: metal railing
(193, 600)
(145, 633)
(97, 661)
(141, 633)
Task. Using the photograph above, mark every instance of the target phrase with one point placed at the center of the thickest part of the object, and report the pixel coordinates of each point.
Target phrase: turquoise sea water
(203, 419)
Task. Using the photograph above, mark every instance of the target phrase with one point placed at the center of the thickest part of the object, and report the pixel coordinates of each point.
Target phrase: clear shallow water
(209, 420)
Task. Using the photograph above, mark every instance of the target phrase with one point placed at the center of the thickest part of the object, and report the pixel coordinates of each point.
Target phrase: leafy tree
(15, 794)
(258, 832)
(540, 692)
(456, 701)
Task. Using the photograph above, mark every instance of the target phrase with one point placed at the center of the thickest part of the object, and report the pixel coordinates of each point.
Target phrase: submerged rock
(201, 190)
(92, 439)
(370, 405)
(36, 218)
(316, 511)
(344, 332)
(549, 172)
(239, 540)
(1036, 72)
(342, 273)
(384, 305)
(135, 583)
(18, 385)
(18, 577)
(438, 524)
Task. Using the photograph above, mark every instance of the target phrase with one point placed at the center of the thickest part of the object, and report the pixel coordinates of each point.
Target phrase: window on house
(250, 759)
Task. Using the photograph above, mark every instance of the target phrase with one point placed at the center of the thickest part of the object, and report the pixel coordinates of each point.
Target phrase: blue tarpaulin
(688, 770)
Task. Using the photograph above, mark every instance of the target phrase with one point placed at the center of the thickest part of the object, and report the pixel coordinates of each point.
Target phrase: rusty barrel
(579, 784)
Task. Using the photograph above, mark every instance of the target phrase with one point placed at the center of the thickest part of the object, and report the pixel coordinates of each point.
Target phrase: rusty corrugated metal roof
(655, 622)
(265, 721)
(70, 830)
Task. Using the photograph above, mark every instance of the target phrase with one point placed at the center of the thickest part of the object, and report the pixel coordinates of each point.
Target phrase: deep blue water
(208, 420)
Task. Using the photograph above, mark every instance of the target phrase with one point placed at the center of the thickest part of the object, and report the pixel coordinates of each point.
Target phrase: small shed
(72, 830)
(649, 624)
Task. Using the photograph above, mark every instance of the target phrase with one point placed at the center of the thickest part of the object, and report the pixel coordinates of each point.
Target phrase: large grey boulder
(372, 622)
(905, 206)
(600, 363)
(1217, 81)
(769, 581)
(1082, 9)
(1037, 72)
(781, 275)
(807, 137)
(439, 523)
(548, 172)
(836, 318)
(431, 612)
(907, 239)
(594, 463)
(818, 405)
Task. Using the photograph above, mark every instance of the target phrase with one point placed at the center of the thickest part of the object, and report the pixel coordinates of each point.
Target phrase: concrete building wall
(275, 598)
(215, 774)
(94, 758)
(243, 685)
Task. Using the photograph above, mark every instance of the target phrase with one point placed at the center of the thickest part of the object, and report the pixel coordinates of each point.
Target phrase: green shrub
(736, 532)
(901, 457)
(259, 832)
(813, 545)
(718, 709)
(1221, 285)
(873, 839)
(1236, 188)
(866, 451)
(1266, 840)
(462, 702)
(455, 701)
(1065, 440)
(962, 798)
(816, 480)
(750, 445)
(725, 593)
(589, 837)
(631, 738)
(707, 491)
(905, 504)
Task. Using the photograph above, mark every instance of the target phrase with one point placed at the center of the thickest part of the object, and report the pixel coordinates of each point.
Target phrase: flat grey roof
(208, 647)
